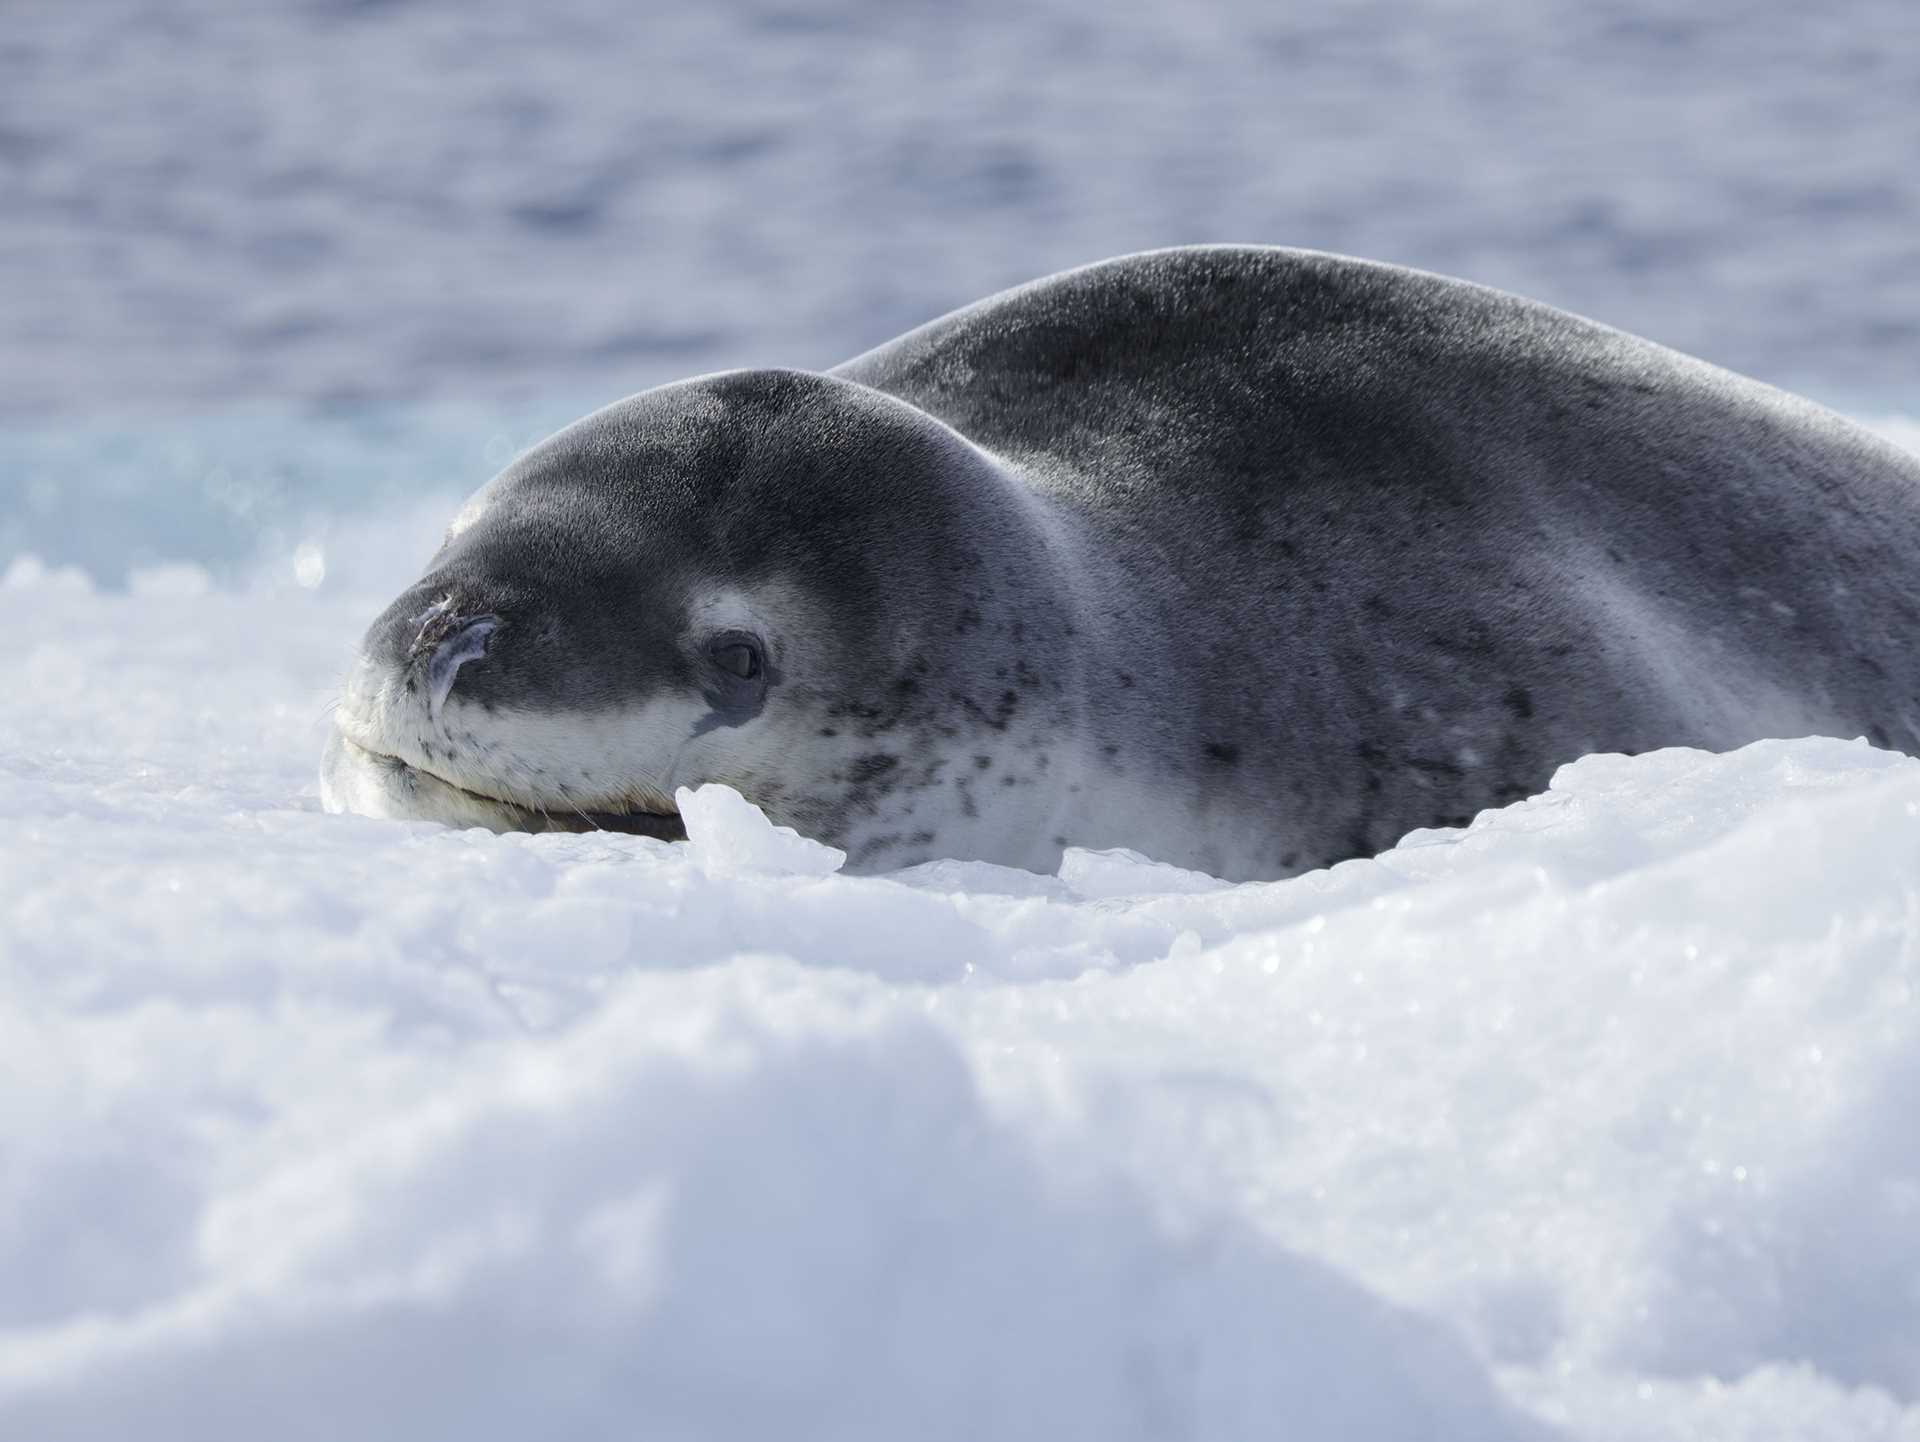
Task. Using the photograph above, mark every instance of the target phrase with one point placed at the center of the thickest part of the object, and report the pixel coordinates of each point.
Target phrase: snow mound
(1590, 1119)
(723, 1206)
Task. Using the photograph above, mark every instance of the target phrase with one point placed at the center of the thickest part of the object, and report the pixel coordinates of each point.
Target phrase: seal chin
(372, 783)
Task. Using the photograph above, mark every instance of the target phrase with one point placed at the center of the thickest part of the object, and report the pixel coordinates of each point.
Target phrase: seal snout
(447, 642)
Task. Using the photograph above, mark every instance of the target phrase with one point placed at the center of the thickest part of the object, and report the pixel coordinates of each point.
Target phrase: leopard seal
(1252, 559)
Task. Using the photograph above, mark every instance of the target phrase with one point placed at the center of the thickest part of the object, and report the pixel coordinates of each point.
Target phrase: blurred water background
(266, 265)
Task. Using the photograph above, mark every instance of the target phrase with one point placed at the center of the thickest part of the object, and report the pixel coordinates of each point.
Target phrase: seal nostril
(465, 641)
(432, 626)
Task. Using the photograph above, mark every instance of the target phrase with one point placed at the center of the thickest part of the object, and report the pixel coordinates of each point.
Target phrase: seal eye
(737, 655)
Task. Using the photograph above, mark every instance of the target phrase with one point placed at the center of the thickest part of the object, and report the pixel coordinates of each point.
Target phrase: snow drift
(1591, 1119)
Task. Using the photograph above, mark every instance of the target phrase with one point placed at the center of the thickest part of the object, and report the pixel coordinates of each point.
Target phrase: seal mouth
(508, 814)
(660, 825)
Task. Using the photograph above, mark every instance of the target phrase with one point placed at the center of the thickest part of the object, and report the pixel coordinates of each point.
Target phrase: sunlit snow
(1593, 1119)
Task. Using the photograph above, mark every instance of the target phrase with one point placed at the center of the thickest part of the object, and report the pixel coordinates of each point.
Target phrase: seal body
(1250, 559)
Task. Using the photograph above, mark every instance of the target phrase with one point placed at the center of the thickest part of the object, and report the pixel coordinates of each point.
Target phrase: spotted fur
(1252, 559)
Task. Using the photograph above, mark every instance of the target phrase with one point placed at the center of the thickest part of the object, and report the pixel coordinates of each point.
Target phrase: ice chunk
(1120, 872)
(730, 834)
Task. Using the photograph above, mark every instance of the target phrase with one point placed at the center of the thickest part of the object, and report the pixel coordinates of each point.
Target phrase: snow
(1592, 1119)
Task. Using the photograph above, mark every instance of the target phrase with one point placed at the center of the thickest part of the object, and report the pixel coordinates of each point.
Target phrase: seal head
(783, 581)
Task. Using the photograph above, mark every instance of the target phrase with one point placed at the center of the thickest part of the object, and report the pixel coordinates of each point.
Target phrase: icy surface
(1593, 1119)
(726, 833)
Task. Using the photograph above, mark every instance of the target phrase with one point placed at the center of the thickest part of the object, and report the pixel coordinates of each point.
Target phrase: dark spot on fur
(982, 762)
(874, 845)
(1290, 859)
(1222, 754)
(1378, 609)
(920, 838)
(967, 620)
(1125, 679)
(867, 769)
(1374, 758)
(1473, 638)
(1059, 841)
(1519, 701)
(872, 719)
(996, 719)
(828, 731)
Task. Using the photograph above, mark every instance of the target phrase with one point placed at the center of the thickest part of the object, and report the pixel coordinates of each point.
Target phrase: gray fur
(1252, 559)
